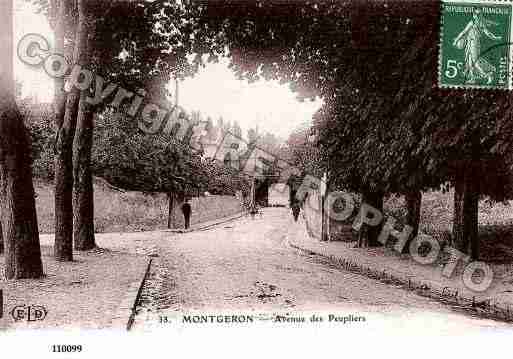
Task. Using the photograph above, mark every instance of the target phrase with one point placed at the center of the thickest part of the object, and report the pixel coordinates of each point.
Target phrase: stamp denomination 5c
(475, 44)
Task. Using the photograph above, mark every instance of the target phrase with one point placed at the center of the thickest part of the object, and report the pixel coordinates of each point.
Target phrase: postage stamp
(475, 44)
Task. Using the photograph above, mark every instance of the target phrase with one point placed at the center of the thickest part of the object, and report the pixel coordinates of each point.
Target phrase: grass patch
(495, 223)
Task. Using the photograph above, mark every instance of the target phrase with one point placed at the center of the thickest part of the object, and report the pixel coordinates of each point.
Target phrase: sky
(215, 90)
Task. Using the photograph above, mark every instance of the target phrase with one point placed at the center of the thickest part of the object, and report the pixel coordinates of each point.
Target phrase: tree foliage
(385, 126)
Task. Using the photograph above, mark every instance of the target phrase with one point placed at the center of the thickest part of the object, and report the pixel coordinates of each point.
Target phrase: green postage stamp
(475, 44)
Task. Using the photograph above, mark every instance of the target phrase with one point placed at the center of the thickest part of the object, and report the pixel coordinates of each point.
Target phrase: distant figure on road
(186, 210)
(295, 205)
(296, 208)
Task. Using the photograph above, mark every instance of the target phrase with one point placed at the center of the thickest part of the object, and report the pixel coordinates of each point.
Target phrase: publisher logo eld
(29, 313)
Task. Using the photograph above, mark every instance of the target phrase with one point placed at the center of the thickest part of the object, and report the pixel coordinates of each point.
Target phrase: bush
(495, 222)
(39, 119)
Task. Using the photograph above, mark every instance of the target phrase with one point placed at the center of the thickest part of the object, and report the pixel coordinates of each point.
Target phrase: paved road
(246, 265)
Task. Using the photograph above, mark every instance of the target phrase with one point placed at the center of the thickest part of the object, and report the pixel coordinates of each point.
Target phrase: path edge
(206, 225)
(125, 314)
(488, 310)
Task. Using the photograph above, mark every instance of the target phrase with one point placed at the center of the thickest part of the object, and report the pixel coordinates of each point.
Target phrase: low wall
(129, 211)
(312, 215)
(213, 207)
(205, 209)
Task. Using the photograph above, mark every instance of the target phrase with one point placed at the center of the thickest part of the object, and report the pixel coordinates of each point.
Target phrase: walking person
(296, 208)
(295, 205)
(186, 210)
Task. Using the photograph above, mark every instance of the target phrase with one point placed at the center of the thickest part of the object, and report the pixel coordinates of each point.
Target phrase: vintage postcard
(247, 178)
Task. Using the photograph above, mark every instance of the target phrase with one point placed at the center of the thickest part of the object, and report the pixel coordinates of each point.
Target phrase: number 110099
(66, 348)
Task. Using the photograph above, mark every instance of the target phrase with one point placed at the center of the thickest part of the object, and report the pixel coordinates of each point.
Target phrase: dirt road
(247, 265)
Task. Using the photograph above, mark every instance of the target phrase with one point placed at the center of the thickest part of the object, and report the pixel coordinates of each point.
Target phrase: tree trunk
(325, 216)
(466, 200)
(83, 193)
(1, 237)
(17, 197)
(170, 197)
(413, 201)
(324, 234)
(457, 220)
(175, 215)
(63, 165)
(368, 235)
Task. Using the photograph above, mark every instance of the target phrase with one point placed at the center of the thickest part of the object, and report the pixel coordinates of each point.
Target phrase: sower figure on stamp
(186, 210)
(476, 66)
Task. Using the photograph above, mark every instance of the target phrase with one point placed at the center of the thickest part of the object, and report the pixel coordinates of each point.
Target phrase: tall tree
(17, 196)
(1, 238)
(390, 131)
(83, 200)
(65, 129)
(156, 39)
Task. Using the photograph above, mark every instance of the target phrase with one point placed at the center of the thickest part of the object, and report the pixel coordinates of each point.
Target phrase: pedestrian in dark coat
(186, 210)
(295, 205)
(296, 208)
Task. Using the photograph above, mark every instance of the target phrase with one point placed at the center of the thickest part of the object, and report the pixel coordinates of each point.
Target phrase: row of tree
(385, 125)
(137, 45)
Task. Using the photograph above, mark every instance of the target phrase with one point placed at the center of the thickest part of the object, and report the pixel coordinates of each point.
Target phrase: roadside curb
(125, 313)
(204, 226)
(446, 295)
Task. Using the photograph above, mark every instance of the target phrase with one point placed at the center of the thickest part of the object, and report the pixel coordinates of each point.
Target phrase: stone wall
(213, 207)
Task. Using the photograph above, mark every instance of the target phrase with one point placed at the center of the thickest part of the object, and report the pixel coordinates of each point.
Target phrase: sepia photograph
(305, 177)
